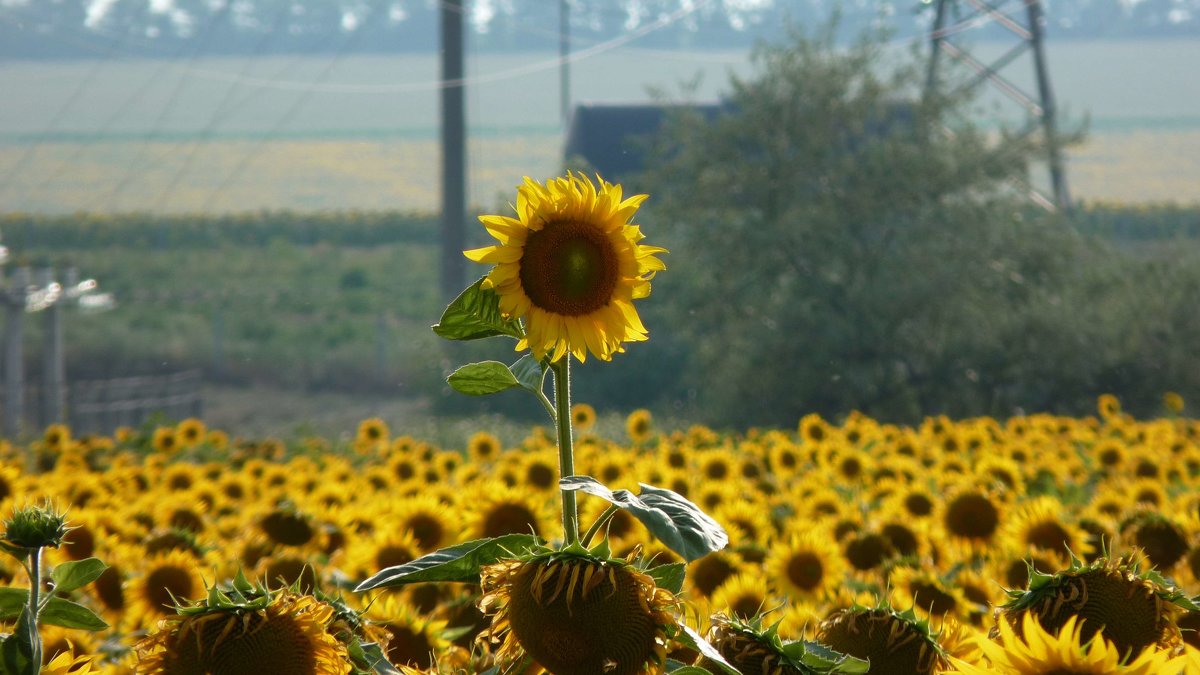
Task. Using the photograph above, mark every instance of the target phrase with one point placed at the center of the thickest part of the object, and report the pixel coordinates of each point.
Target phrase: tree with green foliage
(847, 243)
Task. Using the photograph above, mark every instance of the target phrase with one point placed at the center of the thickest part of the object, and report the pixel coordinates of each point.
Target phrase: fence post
(53, 369)
(14, 355)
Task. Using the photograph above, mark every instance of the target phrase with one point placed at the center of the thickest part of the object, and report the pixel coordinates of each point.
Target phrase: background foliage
(832, 248)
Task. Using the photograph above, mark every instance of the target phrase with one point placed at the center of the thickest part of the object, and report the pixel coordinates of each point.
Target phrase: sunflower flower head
(248, 629)
(570, 266)
(578, 612)
(1136, 609)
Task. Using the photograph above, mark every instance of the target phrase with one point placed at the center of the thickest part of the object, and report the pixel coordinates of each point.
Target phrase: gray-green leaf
(475, 314)
(690, 638)
(77, 574)
(675, 521)
(62, 612)
(530, 372)
(456, 563)
(12, 601)
(669, 576)
(483, 378)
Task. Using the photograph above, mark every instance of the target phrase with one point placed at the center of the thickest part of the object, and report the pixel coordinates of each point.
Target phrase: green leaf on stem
(530, 373)
(475, 314)
(456, 563)
(12, 602)
(676, 522)
(483, 378)
(61, 612)
(16, 654)
(822, 659)
(690, 638)
(669, 576)
(77, 574)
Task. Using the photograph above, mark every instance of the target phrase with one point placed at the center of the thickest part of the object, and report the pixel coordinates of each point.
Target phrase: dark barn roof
(613, 138)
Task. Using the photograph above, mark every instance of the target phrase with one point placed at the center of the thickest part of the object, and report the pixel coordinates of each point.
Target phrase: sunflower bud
(32, 527)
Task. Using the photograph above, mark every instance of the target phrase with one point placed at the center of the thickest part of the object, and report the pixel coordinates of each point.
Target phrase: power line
(115, 194)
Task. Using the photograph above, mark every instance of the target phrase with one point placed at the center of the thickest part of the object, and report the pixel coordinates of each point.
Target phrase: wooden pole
(454, 153)
(564, 69)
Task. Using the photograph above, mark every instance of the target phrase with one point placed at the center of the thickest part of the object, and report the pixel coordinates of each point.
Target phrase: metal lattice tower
(1031, 38)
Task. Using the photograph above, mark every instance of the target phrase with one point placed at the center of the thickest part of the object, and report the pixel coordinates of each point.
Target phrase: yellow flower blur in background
(570, 265)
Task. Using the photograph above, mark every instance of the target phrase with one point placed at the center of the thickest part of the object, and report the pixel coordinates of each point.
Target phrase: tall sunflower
(570, 265)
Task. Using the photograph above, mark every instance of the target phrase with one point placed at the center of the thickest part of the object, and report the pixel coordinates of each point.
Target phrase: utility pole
(454, 151)
(1039, 108)
(564, 51)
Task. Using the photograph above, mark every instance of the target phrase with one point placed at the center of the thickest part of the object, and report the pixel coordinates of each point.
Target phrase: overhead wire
(284, 119)
(43, 137)
(223, 109)
(156, 126)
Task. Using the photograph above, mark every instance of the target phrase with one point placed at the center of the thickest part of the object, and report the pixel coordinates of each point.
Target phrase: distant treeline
(1149, 222)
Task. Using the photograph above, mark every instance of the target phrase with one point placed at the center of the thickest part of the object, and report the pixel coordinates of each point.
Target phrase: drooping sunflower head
(570, 265)
(751, 648)
(1164, 541)
(577, 613)
(894, 642)
(246, 634)
(1135, 609)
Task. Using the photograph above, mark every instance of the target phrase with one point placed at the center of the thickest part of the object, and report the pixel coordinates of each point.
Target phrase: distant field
(234, 134)
(1128, 166)
(242, 175)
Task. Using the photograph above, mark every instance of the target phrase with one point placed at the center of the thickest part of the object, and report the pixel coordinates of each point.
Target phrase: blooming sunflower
(571, 265)
(583, 416)
(1036, 651)
(639, 425)
(190, 432)
(578, 613)
(807, 566)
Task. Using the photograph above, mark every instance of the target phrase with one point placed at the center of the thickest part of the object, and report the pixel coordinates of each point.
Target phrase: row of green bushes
(38, 232)
(27, 232)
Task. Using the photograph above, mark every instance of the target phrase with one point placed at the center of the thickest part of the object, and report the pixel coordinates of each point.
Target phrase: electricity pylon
(1030, 33)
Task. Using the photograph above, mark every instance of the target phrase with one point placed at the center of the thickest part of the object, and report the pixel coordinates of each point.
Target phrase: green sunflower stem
(600, 522)
(566, 454)
(35, 587)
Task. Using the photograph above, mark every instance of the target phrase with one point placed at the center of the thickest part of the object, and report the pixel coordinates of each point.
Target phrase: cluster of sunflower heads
(247, 628)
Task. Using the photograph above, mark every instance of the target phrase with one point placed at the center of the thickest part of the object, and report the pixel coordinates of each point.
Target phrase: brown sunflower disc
(1128, 610)
(893, 646)
(604, 630)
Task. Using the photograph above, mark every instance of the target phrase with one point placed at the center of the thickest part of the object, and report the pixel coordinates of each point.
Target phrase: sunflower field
(970, 546)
